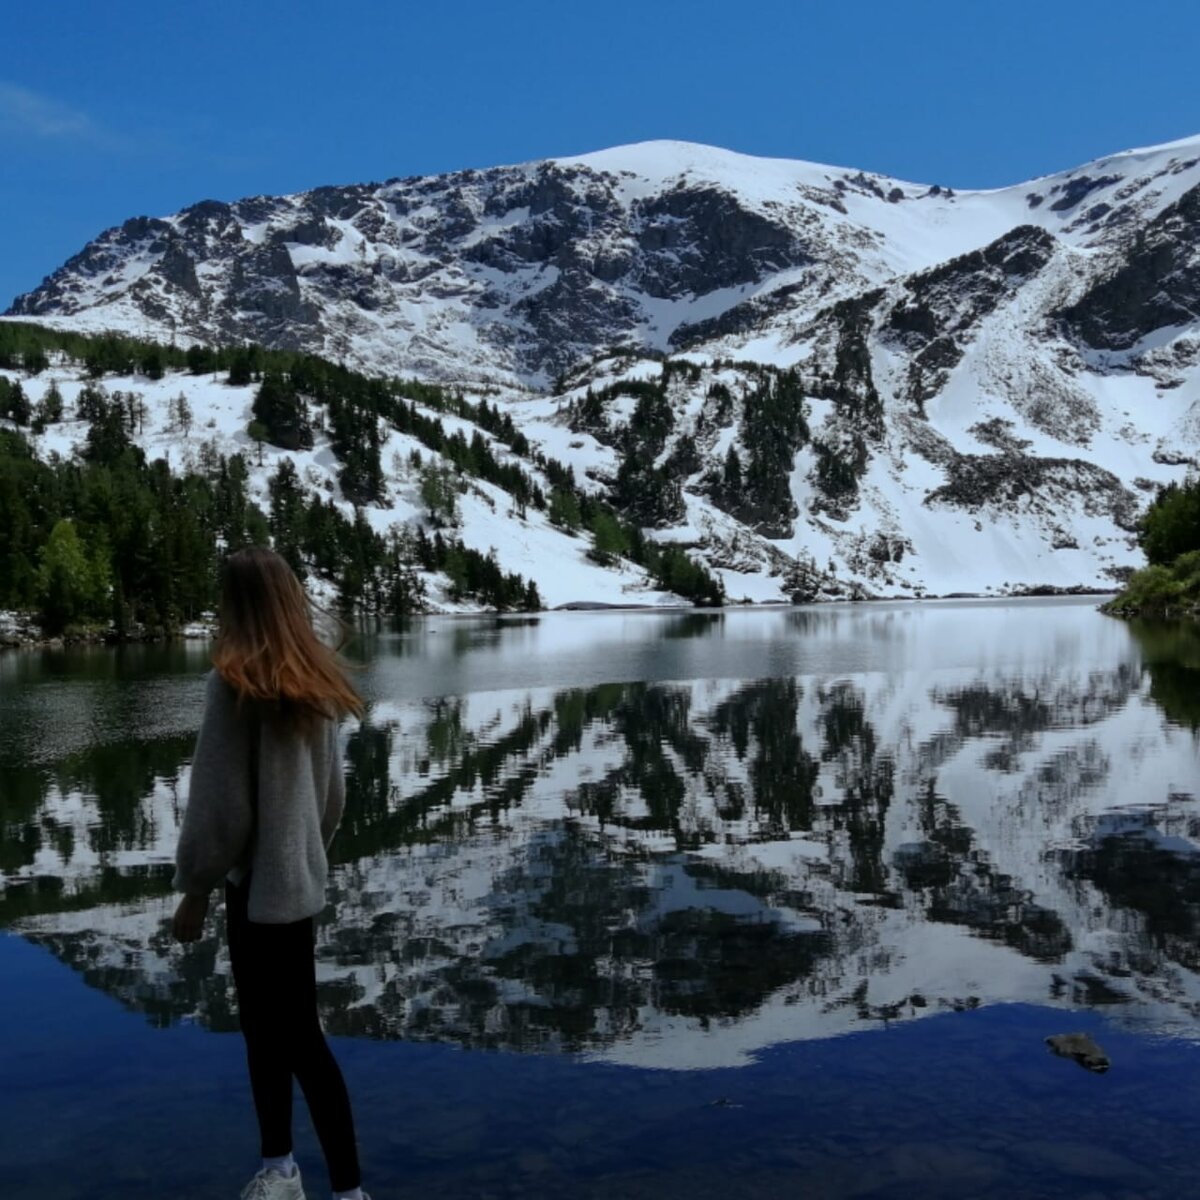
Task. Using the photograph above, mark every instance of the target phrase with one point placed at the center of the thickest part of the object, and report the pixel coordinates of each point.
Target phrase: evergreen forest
(107, 539)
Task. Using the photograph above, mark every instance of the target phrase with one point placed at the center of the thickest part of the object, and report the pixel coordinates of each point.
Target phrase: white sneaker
(270, 1185)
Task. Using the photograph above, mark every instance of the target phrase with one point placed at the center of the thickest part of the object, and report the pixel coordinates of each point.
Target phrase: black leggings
(275, 977)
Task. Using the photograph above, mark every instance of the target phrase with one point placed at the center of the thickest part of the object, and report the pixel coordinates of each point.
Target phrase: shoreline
(18, 633)
(1131, 612)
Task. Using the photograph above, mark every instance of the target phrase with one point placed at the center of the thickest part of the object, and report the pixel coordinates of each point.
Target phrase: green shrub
(1159, 591)
(1171, 527)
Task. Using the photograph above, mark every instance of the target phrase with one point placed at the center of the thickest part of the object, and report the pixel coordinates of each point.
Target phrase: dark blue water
(96, 1103)
(628, 922)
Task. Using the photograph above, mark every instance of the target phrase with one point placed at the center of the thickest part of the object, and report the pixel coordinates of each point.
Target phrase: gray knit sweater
(265, 797)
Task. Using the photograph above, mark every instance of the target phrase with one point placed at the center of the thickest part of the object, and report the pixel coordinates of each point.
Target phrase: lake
(747, 903)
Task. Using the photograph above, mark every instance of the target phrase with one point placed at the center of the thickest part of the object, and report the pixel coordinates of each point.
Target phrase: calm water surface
(742, 904)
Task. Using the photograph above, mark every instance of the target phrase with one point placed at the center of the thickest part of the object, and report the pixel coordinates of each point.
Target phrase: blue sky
(124, 108)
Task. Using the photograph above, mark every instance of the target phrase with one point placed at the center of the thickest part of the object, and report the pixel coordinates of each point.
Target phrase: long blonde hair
(267, 649)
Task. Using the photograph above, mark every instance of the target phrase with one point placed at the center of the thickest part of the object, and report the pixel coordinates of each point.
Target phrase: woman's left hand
(189, 918)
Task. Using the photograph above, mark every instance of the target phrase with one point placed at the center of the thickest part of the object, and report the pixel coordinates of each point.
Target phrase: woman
(266, 796)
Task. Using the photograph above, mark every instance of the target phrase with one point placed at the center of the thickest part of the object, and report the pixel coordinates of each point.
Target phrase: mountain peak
(666, 160)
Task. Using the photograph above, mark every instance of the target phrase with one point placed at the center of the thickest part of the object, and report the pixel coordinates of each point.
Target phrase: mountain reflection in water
(680, 873)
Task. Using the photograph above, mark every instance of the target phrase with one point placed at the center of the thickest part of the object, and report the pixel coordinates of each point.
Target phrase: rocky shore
(21, 631)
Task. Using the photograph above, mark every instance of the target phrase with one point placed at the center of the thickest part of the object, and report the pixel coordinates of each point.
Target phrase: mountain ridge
(972, 391)
(150, 294)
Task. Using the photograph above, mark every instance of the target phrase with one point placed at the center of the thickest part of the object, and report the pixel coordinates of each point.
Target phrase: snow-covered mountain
(990, 383)
(517, 273)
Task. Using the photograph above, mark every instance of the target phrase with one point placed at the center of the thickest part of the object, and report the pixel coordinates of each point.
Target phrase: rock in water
(1081, 1048)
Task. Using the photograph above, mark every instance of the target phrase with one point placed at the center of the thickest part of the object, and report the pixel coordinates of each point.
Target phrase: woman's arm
(219, 819)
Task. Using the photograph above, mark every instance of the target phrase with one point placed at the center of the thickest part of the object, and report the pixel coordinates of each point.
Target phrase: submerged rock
(1081, 1048)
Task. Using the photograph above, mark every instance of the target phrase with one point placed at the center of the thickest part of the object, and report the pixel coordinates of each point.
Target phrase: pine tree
(277, 405)
(14, 404)
(732, 480)
(241, 369)
(151, 364)
(200, 360)
(52, 404)
(70, 586)
(439, 493)
(180, 414)
(91, 402)
(287, 514)
(564, 510)
(1171, 527)
(608, 538)
(107, 435)
(257, 432)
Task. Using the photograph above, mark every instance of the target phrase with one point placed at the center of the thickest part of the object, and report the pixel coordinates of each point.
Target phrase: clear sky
(128, 107)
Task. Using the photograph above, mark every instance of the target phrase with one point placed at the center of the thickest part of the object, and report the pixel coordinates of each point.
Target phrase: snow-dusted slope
(995, 382)
(994, 504)
(525, 544)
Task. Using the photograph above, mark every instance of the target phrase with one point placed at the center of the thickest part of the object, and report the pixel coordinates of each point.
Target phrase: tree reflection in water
(1171, 655)
(584, 869)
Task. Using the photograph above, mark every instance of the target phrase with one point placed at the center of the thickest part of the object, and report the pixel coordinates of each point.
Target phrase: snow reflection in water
(675, 872)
